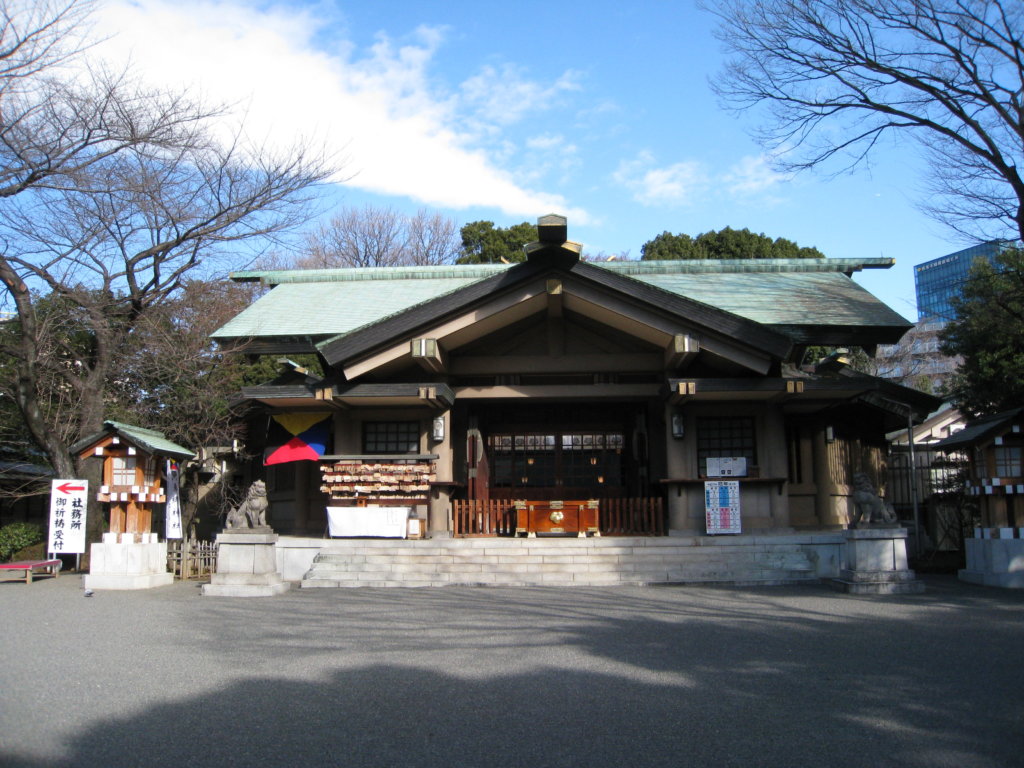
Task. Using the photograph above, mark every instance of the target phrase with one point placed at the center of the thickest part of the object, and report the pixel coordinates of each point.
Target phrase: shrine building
(563, 397)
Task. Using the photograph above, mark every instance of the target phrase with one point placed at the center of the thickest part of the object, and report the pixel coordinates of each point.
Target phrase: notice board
(722, 506)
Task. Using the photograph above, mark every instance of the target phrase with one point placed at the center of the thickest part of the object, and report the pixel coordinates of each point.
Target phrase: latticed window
(391, 437)
(725, 437)
(149, 465)
(537, 460)
(122, 470)
(1008, 461)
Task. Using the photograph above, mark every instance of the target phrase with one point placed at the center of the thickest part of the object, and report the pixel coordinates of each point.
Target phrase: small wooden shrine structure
(133, 477)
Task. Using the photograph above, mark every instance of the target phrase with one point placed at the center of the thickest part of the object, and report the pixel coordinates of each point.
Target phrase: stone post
(128, 561)
(875, 563)
(246, 565)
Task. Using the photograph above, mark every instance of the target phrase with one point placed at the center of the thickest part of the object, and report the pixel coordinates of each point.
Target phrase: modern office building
(917, 360)
(938, 281)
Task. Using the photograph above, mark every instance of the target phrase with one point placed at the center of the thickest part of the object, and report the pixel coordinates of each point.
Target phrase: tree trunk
(26, 364)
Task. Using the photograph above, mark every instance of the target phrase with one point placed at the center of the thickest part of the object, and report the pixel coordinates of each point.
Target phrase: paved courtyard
(661, 676)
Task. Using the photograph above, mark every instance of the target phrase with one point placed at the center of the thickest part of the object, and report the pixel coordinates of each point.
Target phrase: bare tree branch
(381, 237)
(112, 197)
(838, 76)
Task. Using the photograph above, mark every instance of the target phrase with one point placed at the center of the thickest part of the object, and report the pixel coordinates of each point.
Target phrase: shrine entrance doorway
(562, 451)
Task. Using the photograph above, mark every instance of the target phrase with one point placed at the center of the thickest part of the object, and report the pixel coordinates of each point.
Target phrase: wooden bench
(30, 566)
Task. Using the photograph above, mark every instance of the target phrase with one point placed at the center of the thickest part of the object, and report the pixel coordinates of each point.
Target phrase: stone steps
(558, 561)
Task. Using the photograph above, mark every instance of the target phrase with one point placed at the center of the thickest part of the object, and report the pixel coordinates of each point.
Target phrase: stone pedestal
(128, 561)
(995, 559)
(246, 565)
(875, 563)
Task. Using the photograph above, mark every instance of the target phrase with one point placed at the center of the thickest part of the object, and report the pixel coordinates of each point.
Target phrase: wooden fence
(483, 518)
(191, 559)
(617, 517)
(632, 517)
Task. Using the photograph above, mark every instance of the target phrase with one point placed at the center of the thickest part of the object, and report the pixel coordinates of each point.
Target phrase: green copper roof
(331, 307)
(786, 298)
(357, 274)
(148, 439)
(785, 292)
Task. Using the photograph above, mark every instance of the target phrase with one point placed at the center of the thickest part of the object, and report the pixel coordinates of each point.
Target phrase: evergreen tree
(988, 333)
(726, 243)
(483, 243)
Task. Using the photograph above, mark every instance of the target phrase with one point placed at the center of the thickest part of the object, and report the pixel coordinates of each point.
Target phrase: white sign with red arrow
(67, 516)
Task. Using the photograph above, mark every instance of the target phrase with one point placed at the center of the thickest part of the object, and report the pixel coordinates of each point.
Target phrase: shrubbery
(17, 536)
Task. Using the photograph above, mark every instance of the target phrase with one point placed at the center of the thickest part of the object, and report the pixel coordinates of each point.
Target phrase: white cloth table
(384, 522)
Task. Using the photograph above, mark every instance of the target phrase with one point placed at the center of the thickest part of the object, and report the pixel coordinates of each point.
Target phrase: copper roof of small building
(149, 440)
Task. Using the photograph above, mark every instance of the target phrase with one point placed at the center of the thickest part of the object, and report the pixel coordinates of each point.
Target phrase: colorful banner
(297, 437)
(67, 517)
(173, 502)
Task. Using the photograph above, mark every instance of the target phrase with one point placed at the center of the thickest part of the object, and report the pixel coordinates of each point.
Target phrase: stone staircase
(744, 560)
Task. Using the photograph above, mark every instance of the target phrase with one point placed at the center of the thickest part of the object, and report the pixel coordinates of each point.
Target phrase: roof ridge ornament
(553, 246)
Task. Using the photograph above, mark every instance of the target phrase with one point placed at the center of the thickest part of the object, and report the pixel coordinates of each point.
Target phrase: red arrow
(68, 488)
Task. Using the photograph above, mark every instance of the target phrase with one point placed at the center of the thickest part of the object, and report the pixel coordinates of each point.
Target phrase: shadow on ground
(583, 677)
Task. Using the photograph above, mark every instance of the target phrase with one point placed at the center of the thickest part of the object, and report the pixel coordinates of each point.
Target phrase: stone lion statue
(869, 507)
(252, 512)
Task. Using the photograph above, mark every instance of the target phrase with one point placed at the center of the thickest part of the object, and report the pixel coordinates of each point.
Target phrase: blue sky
(597, 110)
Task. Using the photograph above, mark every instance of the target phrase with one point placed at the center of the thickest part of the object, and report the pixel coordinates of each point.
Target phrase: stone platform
(121, 561)
(246, 566)
(875, 563)
(768, 559)
(995, 558)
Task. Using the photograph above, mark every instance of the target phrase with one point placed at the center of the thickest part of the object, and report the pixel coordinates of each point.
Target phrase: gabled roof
(980, 431)
(149, 440)
(528, 278)
(939, 425)
(810, 301)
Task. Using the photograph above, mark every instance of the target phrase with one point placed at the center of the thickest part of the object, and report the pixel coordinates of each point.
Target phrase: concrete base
(120, 562)
(994, 562)
(246, 566)
(875, 563)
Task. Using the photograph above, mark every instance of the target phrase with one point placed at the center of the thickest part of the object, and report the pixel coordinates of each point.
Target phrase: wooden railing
(483, 518)
(617, 517)
(191, 559)
(643, 516)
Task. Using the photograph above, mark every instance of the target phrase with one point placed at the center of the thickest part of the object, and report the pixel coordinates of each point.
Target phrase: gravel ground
(658, 676)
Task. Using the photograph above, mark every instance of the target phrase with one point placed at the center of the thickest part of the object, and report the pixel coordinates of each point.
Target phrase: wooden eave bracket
(685, 390)
(794, 388)
(328, 395)
(555, 290)
(680, 351)
(429, 395)
(429, 354)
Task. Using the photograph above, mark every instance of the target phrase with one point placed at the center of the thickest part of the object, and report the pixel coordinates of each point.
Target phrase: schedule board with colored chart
(722, 506)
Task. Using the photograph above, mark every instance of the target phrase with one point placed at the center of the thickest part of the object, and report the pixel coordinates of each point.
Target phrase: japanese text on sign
(722, 506)
(67, 516)
(173, 510)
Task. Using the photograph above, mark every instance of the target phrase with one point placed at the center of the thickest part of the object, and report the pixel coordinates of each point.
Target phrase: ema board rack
(378, 479)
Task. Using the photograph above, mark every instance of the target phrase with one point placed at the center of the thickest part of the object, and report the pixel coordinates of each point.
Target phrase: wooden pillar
(117, 518)
(774, 463)
(303, 474)
(825, 501)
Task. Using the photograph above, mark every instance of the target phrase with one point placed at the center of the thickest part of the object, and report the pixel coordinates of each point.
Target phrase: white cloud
(675, 184)
(503, 95)
(689, 181)
(379, 109)
(550, 153)
(752, 175)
